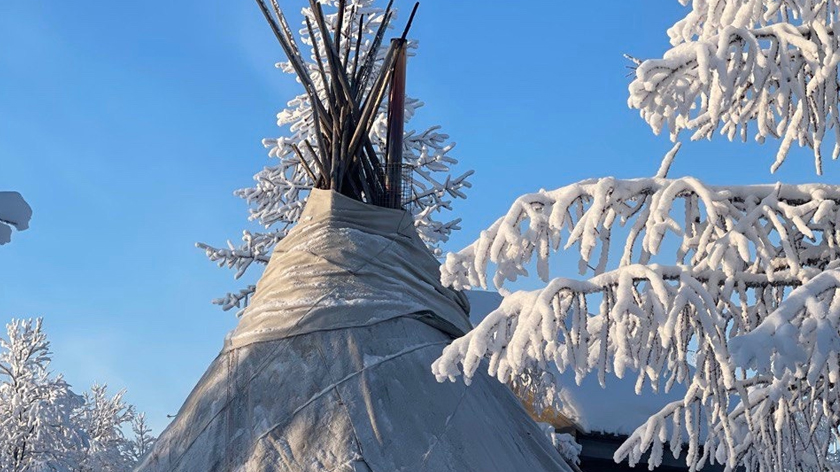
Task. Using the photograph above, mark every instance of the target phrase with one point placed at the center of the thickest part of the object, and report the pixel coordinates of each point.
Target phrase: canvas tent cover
(329, 368)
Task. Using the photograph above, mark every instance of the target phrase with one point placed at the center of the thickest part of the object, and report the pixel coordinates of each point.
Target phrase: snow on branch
(746, 318)
(256, 247)
(786, 416)
(238, 300)
(751, 390)
(736, 62)
(777, 231)
(14, 213)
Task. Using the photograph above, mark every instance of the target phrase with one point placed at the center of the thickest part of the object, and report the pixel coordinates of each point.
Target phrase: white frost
(737, 62)
(753, 357)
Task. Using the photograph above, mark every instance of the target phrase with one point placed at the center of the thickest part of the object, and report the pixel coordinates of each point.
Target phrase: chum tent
(329, 367)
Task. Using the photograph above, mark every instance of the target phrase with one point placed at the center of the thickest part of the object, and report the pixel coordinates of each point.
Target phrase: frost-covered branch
(256, 247)
(237, 300)
(737, 62)
(786, 416)
(565, 444)
(751, 294)
(776, 231)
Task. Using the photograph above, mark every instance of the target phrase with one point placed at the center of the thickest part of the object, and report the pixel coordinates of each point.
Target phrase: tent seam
(325, 390)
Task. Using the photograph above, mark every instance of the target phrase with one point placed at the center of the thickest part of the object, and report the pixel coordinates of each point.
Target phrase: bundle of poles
(343, 158)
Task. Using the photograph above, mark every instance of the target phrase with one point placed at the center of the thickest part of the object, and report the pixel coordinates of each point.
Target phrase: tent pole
(396, 120)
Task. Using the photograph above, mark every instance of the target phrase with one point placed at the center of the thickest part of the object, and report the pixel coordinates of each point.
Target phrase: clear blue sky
(127, 125)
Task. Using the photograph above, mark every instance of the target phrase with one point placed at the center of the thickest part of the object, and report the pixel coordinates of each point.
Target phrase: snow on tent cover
(328, 369)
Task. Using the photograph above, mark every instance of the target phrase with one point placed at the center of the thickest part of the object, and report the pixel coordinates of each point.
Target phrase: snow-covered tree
(45, 426)
(103, 418)
(14, 213)
(279, 194)
(38, 430)
(143, 439)
(731, 292)
(734, 64)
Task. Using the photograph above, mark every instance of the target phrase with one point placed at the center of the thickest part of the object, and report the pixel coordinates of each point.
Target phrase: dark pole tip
(410, 20)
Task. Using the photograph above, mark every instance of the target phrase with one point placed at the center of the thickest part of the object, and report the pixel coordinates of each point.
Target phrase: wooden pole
(396, 121)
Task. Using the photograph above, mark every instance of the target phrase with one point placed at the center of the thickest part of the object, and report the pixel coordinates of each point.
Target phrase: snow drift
(329, 368)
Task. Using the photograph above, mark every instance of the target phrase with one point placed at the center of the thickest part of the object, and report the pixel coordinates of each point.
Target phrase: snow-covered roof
(615, 409)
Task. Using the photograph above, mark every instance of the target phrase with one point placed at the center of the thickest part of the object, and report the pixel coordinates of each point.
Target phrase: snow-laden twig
(733, 63)
(565, 444)
(667, 160)
(774, 230)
